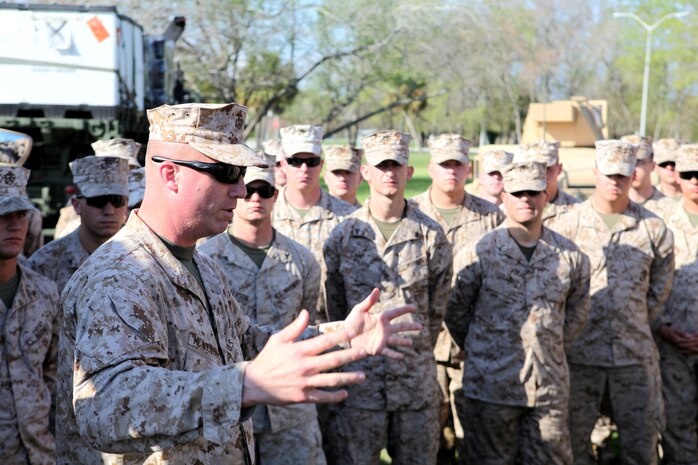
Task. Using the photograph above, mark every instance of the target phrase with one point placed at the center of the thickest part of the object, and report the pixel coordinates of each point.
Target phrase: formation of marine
(209, 306)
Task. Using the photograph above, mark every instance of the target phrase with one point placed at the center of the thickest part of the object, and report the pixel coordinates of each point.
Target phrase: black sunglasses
(223, 172)
(311, 162)
(688, 175)
(101, 201)
(266, 191)
(664, 164)
(528, 193)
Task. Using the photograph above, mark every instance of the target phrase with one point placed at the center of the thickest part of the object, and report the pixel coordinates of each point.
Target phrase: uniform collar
(75, 252)
(546, 246)
(321, 210)
(173, 268)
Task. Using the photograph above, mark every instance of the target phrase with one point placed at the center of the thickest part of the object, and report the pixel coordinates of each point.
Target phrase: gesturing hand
(374, 332)
(286, 371)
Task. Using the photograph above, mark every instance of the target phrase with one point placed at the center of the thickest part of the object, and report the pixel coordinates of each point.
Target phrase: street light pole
(648, 53)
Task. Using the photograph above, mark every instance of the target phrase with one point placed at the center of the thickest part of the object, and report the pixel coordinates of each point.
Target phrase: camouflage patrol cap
(615, 157)
(524, 176)
(542, 151)
(216, 130)
(386, 145)
(95, 176)
(445, 147)
(342, 157)
(136, 186)
(495, 160)
(118, 147)
(643, 144)
(254, 173)
(273, 147)
(687, 158)
(665, 150)
(13, 189)
(301, 138)
(15, 150)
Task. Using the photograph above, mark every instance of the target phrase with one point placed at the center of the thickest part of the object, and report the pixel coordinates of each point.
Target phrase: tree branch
(379, 111)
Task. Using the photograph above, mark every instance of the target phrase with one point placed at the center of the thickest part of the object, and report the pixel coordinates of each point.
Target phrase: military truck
(76, 74)
(576, 124)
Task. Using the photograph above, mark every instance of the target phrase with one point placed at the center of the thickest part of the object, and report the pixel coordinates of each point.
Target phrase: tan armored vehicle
(576, 124)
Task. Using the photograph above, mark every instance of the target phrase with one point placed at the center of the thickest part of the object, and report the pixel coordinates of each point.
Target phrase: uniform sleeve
(577, 306)
(661, 274)
(466, 286)
(51, 360)
(126, 397)
(311, 290)
(335, 294)
(440, 274)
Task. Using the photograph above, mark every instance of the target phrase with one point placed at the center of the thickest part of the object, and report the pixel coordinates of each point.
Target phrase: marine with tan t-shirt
(521, 299)
(272, 278)
(390, 244)
(464, 218)
(678, 325)
(101, 203)
(642, 191)
(548, 153)
(29, 324)
(152, 362)
(632, 264)
(304, 211)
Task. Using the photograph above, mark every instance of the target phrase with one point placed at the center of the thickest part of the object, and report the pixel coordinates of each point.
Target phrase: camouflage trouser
(495, 434)
(679, 379)
(300, 444)
(412, 436)
(634, 396)
(451, 383)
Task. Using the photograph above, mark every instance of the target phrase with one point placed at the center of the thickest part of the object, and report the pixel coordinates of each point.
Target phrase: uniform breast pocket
(35, 341)
(361, 276)
(284, 298)
(201, 354)
(556, 289)
(413, 272)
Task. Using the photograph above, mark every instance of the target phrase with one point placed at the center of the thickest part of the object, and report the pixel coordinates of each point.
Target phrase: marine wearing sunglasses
(101, 201)
(222, 172)
(519, 194)
(310, 162)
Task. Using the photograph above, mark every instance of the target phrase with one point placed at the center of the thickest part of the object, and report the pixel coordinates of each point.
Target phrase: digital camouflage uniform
(659, 204)
(59, 259)
(311, 230)
(679, 370)
(631, 273)
(29, 344)
(514, 318)
(399, 397)
(273, 295)
(563, 202)
(137, 341)
(94, 177)
(475, 218)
